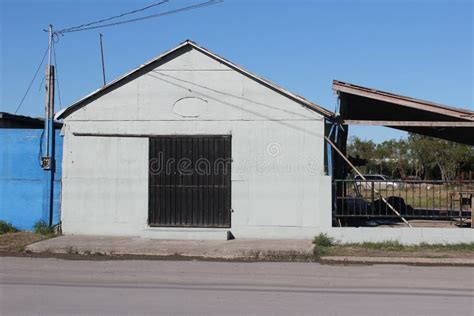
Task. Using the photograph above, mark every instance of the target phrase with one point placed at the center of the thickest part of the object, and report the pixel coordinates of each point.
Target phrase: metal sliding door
(190, 181)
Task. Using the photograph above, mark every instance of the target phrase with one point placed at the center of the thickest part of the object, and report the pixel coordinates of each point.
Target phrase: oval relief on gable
(190, 107)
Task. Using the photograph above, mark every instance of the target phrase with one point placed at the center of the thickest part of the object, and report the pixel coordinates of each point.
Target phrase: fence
(412, 199)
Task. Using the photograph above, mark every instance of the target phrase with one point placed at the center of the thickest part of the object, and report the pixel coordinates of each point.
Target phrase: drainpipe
(49, 160)
(52, 149)
(328, 150)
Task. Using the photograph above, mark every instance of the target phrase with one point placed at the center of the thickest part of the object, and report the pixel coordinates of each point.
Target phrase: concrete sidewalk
(219, 249)
(243, 249)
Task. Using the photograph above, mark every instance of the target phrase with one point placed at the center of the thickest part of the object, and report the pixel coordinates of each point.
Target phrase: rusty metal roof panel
(459, 113)
(364, 106)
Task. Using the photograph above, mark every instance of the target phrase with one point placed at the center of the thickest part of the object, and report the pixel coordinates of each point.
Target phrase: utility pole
(49, 99)
(48, 159)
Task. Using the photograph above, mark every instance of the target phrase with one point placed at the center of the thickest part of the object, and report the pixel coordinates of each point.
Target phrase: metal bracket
(46, 163)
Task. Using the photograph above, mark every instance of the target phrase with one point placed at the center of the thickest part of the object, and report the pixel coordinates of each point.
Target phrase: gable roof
(190, 44)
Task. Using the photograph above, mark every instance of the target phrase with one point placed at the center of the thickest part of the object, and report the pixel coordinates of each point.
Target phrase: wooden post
(472, 211)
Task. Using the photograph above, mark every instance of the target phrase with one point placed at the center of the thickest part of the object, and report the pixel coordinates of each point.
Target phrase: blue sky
(420, 48)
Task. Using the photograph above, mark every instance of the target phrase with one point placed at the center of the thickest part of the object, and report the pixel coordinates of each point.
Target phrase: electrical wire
(113, 17)
(93, 25)
(170, 12)
(32, 81)
(41, 83)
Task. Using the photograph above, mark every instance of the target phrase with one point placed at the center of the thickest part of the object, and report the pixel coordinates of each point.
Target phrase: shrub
(7, 228)
(41, 228)
(322, 240)
(321, 244)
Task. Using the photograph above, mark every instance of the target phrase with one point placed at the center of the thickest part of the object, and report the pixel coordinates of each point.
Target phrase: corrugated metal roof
(103, 90)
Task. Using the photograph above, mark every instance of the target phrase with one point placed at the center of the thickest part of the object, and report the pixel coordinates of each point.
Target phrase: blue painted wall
(23, 183)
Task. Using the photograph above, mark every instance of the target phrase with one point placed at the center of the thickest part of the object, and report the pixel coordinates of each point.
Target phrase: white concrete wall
(279, 189)
(404, 235)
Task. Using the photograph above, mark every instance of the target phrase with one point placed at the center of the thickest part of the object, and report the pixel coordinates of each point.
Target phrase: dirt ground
(16, 242)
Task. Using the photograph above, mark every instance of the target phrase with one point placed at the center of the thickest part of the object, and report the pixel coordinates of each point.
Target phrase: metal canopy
(10, 120)
(365, 106)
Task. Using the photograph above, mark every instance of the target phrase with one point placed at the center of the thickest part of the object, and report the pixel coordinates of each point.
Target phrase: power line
(92, 25)
(191, 7)
(113, 17)
(32, 80)
(41, 83)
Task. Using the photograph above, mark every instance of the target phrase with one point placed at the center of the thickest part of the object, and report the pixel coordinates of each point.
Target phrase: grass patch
(396, 246)
(20, 248)
(7, 228)
(17, 242)
(384, 245)
(324, 246)
(41, 228)
(469, 247)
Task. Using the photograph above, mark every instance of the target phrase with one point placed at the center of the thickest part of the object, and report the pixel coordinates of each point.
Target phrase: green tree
(363, 149)
(447, 156)
(417, 155)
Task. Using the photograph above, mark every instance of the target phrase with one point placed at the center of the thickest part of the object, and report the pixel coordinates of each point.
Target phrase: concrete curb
(398, 260)
(225, 250)
(237, 255)
(263, 256)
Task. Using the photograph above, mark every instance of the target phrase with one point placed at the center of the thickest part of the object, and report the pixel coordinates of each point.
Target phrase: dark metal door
(190, 181)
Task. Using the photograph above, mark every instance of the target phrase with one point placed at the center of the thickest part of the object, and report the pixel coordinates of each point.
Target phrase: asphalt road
(65, 287)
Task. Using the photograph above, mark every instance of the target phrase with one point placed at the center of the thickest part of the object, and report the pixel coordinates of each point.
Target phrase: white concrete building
(180, 106)
(192, 146)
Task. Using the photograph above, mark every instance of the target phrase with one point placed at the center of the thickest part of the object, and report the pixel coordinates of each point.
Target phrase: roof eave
(61, 114)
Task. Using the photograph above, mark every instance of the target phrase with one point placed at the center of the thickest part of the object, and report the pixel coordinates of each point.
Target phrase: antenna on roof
(102, 57)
